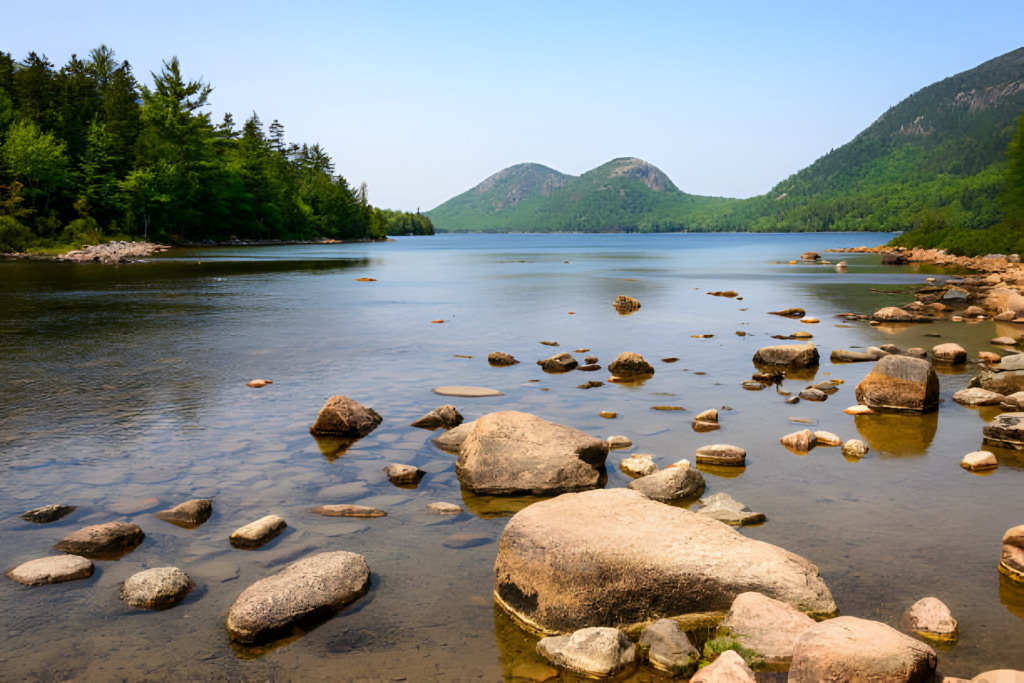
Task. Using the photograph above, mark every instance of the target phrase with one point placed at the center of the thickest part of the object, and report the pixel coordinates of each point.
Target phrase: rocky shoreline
(990, 263)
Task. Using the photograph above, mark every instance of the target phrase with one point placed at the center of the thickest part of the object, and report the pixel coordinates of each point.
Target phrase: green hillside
(935, 158)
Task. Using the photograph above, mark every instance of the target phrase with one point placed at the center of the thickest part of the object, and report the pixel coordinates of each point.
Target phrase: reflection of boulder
(491, 507)
(332, 447)
(1011, 594)
(517, 650)
(898, 434)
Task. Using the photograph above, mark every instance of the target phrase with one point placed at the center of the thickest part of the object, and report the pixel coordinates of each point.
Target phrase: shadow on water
(898, 435)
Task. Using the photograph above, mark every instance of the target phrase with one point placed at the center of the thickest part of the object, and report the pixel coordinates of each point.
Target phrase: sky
(424, 100)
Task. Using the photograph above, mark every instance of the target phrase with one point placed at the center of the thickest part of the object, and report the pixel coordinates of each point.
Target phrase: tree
(276, 137)
(35, 158)
(1012, 198)
(99, 184)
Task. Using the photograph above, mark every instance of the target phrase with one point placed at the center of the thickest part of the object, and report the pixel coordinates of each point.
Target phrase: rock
(595, 651)
(628, 365)
(590, 360)
(729, 294)
(189, 515)
(728, 668)
(855, 448)
(710, 415)
(829, 386)
(672, 483)
(443, 509)
(608, 414)
(311, 588)
(844, 356)
(462, 541)
(989, 357)
(1011, 561)
(1005, 316)
(810, 256)
(404, 475)
(639, 465)
(930, 618)
(900, 383)
(259, 383)
(549, 343)
(443, 416)
(667, 408)
(1013, 402)
(48, 513)
(955, 294)
(667, 646)
(511, 452)
(101, 541)
(499, 359)
(807, 320)
(467, 392)
(258, 533)
(751, 385)
(801, 334)
(451, 441)
(979, 460)
(890, 259)
(801, 442)
(790, 313)
(995, 676)
(1003, 341)
(626, 303)
(618, 442)
(590, 385)
(949, 353)
(892, 314)
(347, 511)
(341, 416)
(684, 463)
(55, 569)
(769, 627)
(670, 359)
(650, 561)
(588, 368)
(827, 439)
(1006, 431)
(159, 588)
(562, 362)
(790, 355)
(847, 648)
(724, 508)
(812, 394)
(974, 311)
(977, 396)
(704, 427)
(722, 454)
(858, 410)
(917, 352)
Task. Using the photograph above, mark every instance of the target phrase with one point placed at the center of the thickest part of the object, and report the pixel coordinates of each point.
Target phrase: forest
(89, 153)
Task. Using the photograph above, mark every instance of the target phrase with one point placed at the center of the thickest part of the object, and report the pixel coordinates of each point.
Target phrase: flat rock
(931, 618)
(722, 454)
(48, 513)
(189, 515)
(844, 356)
(672, 483)
(629, 365)
(823, 438)
(443, 509)
(341, 416)
(855, 448)
(512, 452)
(999, 676)
(858, 410)
(769, 627)
(728, 668)
(258, 383)
(812, 394)
(976, 396)
(618, 442)
(900, 383)
(500, 359)
(639, 465)
(445, 416)
(949, 353)
(452, 440)
(347, 511)
(790, 313)
(1003, 341)
(55, 569)
(311, 588)
(1006, 431)
(159, 588)
(595, 651)
(979, 460)
(649, 561)
(667, 646)
(724, 508)
(102, 541)
(588, 368)
(464, 540)
(1011, 561)
(258, 533)
(467, 392)
(562, 362)
(404, 475)
(790, 355)
(847, 648)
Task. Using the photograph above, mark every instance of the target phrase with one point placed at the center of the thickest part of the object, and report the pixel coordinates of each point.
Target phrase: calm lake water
(124, 393)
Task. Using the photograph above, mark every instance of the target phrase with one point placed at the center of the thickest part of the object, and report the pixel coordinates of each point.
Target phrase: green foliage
(402, 223)
(716, 646)
(96, 152)
(14, 237)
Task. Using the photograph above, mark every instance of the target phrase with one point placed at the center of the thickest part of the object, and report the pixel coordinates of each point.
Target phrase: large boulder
(789, 355)
(629, 364)
(54, 569)
(1005, 377)
(667, 646)
(848, 648)
(949, 353)
(102, 541)
(188, 515)
(591, 651)
(511, 452)
(446, 416)
(159, 588)
(341, 416)
(1011, 561)
(311, 588)
(671, 483)
(649, 560)
(931, 618)
(769, 627)
(900, 383)
(1005, 431)
(562, 362)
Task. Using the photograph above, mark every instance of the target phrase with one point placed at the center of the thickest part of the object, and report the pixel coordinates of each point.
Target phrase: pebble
(257, 383)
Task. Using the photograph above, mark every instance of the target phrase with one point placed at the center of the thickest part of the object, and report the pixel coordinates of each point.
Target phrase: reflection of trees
(898, 434)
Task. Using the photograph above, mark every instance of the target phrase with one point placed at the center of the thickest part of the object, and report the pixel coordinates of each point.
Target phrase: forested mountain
(88, 152)
(936, 158)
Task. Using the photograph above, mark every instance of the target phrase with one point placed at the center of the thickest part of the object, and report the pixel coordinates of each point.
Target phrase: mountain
(937, 155)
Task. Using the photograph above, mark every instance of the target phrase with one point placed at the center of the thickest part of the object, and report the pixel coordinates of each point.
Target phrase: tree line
(88, 152)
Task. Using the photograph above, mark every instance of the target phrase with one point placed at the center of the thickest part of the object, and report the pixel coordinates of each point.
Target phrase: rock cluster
(112, 253)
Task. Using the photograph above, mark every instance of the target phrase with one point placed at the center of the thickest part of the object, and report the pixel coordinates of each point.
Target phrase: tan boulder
(790, 355)
(999, 676)
(158, 588)
(900, 383)
(628, 365)
(54, 569)
(625, 303)
(102, 541)
(446, 416)
(823, 438)
(1005, 431)
(671, 483)
(594, 651)
(258, 533)
(341, 416)
(930, 618)
(639, 465)
(728, 668)
(800, 442)
(188, 515)
(452, 440)
(722, 454)
(561, 362)
(976, 396)
(769, 627)
(855, 448)
(979, 460)
(1011, 561)
(949, 353)
(847, 648)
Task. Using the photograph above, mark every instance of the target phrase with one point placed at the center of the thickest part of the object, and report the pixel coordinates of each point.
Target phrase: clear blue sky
(424, 100)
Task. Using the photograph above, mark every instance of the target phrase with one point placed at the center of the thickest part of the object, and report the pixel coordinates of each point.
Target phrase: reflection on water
(125, 392)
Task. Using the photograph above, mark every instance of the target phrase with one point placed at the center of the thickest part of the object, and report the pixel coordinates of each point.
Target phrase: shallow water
(124, 393)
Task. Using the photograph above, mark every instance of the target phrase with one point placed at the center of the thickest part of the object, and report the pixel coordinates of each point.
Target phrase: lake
(124, 393)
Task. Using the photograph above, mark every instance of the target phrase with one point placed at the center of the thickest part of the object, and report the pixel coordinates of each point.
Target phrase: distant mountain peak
(638, 169)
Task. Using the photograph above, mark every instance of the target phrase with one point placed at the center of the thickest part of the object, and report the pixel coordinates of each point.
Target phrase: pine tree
(276, 137)
(1012, 198)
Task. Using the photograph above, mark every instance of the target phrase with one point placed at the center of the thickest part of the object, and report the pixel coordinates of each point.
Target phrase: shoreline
(898, 256)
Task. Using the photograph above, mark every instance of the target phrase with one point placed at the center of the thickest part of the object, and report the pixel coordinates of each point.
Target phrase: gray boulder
(628, 365)
(48, 513)
(341, 416)
(313, 587)
(649, 561)
(722, 454)
(188, 515)
(769, 627)
(102, 541)
(976, 396)
(562, 362)
(511, 452)
(451, 441)
(671, 483)
(590, 651)
(443, 416)
(159, 588)
(900, 383)
(724, 508)
(668, 648)
(55, 569)
(1006, 431)
(790, 355)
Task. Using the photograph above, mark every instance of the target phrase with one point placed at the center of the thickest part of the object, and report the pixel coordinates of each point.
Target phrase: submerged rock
(639, 465)
(404, 475)
(55, 569)
(451, 441)
(629, 365)
(722, 454)
(977, 396)
(979, 460)
(499, 359)
(259, 533)
(724, 508)
(102, 541)
(791, 355)
(930, 618)
(900, 383)
(667, 646)
(189, 515)
(847, 648)
(844, 356)
(48, 513)
(341, 416)
(159, 588)
(562, 362)
(347, 511)
(1011, 561)
(672, 483)
(769, 627)
(443, 416)
(593, 651)
(311, 588)
(728, 668)
(512, 452)
(1006, 431)
(443, 509)
(650, 560)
